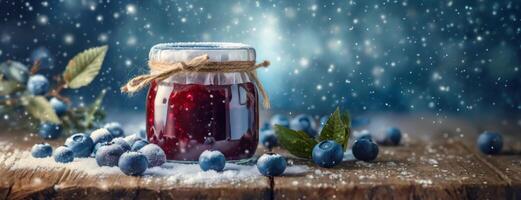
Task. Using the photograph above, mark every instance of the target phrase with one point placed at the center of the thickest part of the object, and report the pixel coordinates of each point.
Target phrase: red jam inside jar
(186, 118)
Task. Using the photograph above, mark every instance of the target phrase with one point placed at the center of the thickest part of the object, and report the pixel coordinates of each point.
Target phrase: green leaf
(41, 109)
(82, 69)
(7, 87)
(94, 109)
(297, 143)
(346, 118)
(335, 130)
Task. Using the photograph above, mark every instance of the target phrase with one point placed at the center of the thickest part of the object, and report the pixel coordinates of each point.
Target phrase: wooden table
(437, 160)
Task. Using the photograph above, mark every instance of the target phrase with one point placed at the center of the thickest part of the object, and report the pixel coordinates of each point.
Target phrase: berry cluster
(132, 154)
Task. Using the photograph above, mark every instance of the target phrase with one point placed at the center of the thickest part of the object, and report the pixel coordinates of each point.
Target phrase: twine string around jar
(198, 64)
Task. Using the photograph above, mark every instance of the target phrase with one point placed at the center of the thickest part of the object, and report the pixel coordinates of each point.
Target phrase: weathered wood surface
(437, 160)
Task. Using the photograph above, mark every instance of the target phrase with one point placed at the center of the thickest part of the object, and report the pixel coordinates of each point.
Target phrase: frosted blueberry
(363, 134)
(59, 106)
(101, 135)
(155, 155)
(108, 154)
(80, 144)
(490, 142)
(364, 149)
(212, 160)
(279, 120)
(120, 141)
(392, 136)
(115, 129)
(38, 85)
(327, 154)
(133, 163)
(138, 145)
(304, 123)
(63, 155)
(268, 138)
(41, 150)
(131, 139)
(49, 130)
(271, 164)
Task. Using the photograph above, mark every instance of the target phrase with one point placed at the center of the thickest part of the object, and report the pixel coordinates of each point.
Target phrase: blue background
(457, 57)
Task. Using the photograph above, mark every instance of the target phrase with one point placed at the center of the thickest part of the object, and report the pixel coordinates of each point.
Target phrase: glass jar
(191, 112)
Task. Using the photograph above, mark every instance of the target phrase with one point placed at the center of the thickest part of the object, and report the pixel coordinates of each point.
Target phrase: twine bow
(197, 64)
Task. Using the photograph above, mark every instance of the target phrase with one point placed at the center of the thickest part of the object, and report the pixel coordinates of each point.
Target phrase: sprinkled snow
(172, 172)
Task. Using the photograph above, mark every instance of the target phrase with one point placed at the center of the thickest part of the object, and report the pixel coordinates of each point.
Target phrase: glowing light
(131, 9)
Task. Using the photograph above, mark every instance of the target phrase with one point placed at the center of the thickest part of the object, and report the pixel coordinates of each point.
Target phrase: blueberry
(63, 155)
(364, 149)
(323, 120)
(80, 144)
(490, 142)
(50, 130)
(41, 150)
(279, 120)
(115, 129)
(101, 135)
(327, 153)
(304, 123)
(142, 133)
(59, 106)
(120, 141)
(212, 160)
(133, 163)
(108, 154)
(155, 155)
(268, 138)
(138, 145)
(271, 164)
(392, 136)
(13, 70)
(131, 139)
(363, 134)
(38, 85)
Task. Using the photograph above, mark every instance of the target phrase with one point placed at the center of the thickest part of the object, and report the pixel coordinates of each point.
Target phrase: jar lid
(217, 51)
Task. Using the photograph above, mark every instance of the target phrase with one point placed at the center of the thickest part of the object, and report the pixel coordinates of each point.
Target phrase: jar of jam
(193, 111)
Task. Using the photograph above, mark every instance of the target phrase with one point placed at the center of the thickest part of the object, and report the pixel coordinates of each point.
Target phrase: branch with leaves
(300, 144)
(80, 71)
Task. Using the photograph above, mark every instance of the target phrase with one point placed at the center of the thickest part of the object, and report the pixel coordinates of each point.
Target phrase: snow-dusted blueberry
(122, 142)
(212, 160)
(108, 154)
(327, 153)
(363, 134)
(138, 145)
(131, 139)
(392, 136)
(101, 135)
(365, 150)
(59, 106)
(268, 138)
(41, 150)
(115, 129)
(38, 85)
(49, 130)
(279, 120)
(490, 142)
(80, 144)
(304, 123)
(271, 164)
(63, 154)
(133, 163)
(155, 155)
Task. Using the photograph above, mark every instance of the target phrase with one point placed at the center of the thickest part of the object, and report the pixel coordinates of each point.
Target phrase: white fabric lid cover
(217, 51)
